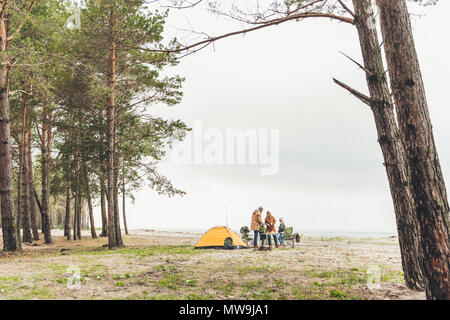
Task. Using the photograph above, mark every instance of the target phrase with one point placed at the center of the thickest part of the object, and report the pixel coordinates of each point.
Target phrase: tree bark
(119, 242)
(103, 210)
(79, 212)
(45, 178)
(390, 143)
(25, 210)
(33, 217)
(427, 182)
(67, 215)
(77, 222)
(89, 198)
(6, 193)
(111, 125)
(123, 205)
(75, 218)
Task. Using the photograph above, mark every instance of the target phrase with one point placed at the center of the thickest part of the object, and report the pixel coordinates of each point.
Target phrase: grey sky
(331, 176)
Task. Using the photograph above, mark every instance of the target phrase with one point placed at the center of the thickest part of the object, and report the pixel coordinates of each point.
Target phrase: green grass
(173, 281)
(338, 277)
(337, 294)
(142, 252)
(242, 270)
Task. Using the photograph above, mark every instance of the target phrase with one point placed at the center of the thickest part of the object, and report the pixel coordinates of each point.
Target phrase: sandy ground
(164, 265)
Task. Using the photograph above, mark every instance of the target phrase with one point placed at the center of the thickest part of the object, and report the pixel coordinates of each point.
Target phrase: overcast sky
(331, 176)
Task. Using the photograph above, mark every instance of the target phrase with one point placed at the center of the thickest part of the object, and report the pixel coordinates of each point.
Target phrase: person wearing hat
(255, 224)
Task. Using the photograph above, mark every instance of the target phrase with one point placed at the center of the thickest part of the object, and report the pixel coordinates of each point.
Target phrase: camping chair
(290, 238)
(245, 236)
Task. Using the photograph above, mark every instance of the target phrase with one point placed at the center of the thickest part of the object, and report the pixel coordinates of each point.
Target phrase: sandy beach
(164, 265)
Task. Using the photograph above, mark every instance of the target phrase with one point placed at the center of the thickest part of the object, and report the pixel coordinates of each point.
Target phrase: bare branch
(358, 64)
(354, 92)
(259, 26)
(190, 5)
(347, 8)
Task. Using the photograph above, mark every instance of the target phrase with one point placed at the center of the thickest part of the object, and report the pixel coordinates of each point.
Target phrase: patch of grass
(190, 282)
(249, 285)
(242, 270)
(35, 292)
(57, 268)
(305, 293)
(338, 277)
(229, 290)
(166, 268)
(173, 281)
(278, 282)
(337, 294)
(267, 294)
(142, 252)
(9, 279)
(9, 284)
(331, 239)
(61, 280)
(318, 284)
(194, 296)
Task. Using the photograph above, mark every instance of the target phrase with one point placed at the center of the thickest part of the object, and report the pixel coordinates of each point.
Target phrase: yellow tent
(220, 238)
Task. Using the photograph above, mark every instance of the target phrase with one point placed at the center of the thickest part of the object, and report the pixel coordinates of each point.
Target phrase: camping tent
(220, 238)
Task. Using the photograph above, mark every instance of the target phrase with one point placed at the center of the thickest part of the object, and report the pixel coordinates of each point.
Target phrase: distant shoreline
(352, 234)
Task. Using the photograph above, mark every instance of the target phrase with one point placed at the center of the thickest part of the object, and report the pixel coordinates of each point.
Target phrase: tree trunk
(119, 242)
(390, 143)
(427, 182)
(75, 219)
(6, 193)
(89, 198)
(111, 125)
(20, 175)
(123, 205)
(33, 217)
(103, 209)
(79, 211)
(45, 179)
(67, 216)
(25, 210)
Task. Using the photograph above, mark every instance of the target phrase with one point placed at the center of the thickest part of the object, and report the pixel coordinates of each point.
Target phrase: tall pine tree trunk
(77, 217)
(79, 212)
(427, 182)
(6, 193)
(67, 215)
(89, 198)
(45, 178)
(123, 203)
(388, 137)
(119, 242)
(103, 209)
(25, 210)
(33, 217)
(111, 126)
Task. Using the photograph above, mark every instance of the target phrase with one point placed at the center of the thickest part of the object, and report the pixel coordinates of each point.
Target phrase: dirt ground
(164, 265)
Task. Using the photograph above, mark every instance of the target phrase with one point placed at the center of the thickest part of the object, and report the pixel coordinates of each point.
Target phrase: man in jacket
(256, 223)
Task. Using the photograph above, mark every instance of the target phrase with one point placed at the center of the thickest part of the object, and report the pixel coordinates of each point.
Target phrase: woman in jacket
(270, 228)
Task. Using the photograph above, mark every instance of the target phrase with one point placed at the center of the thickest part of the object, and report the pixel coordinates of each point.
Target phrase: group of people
(266, 229)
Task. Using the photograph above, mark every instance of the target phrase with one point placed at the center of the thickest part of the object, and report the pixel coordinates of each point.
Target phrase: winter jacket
(270, 223)
(256, 220)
